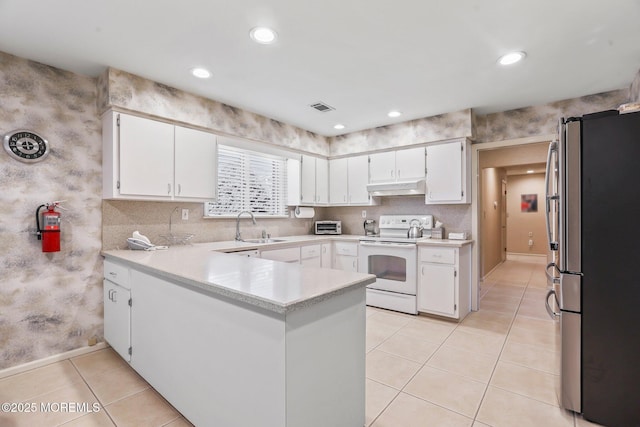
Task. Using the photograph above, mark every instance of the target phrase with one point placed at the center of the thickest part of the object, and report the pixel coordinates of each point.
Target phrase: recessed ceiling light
(339, 126)
(263, 35)
(394, 114)
(201, 73)
(511, 58)
(530, 171)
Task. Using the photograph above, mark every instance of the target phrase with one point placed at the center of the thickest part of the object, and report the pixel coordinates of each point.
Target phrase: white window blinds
(249, 181)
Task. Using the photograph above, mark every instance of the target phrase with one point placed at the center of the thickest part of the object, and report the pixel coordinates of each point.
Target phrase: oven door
(394, 265)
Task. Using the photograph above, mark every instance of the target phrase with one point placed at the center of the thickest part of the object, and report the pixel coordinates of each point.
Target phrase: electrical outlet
(364, 214)
(185, 214)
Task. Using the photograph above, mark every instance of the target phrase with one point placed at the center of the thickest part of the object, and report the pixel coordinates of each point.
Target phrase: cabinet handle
(344, 198)
(179, 188)
(113, 273)
(354, 263)
(168, 188)
(422, 270)
(398, 173)
(113, 296)
(391, 173)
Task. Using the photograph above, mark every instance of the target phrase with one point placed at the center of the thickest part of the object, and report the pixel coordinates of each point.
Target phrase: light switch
(185, 214)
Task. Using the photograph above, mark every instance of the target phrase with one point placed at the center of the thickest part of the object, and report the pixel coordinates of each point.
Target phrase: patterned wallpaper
(429, 129)
(118, 89)
(49, 303)
(543, 119)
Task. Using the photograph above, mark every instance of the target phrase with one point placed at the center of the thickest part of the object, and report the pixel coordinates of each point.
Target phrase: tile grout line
(104, 408)
(413, 376)
(513, 319)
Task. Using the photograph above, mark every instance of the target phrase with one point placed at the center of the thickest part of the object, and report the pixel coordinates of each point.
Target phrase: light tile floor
(498, 367)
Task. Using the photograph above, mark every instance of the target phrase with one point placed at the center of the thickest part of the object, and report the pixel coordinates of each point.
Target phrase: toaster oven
(328, 227)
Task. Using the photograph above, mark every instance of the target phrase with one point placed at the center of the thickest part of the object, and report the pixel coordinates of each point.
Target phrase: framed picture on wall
(529, 203)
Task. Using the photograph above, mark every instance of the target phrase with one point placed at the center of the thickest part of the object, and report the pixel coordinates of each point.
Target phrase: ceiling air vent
(322, 107)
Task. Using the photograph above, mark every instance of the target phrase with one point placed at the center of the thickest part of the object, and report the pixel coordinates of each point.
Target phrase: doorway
(490, 202)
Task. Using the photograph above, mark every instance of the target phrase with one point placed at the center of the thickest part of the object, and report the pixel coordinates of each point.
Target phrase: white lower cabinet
(117, 309)
(444, 280)
(211, 357)
(345, 256)
(311, 255)
(326, 258)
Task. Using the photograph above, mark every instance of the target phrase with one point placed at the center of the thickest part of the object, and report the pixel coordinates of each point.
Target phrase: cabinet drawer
(345, 248)
(286, 255)
(310, 251)
(438, 255)
(116, 273)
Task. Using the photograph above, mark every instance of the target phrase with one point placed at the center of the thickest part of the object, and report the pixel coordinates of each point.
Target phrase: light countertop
(273, 285)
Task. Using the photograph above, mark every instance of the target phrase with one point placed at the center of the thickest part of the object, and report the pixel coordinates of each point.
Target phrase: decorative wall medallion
(26, 146)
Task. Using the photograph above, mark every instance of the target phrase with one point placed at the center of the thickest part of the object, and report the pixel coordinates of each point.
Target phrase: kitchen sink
(263, 240)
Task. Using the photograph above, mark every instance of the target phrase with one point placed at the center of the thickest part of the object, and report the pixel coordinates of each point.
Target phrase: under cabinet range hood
(397, 188)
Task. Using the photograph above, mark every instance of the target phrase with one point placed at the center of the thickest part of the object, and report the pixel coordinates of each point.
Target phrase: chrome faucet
(238, 236)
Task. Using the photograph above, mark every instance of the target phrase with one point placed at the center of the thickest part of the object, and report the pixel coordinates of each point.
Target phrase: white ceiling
(363, 57)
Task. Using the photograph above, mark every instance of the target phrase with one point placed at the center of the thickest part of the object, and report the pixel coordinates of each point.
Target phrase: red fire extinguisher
(49, 233)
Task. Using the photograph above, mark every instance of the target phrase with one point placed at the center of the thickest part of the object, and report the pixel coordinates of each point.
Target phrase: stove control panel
(402, 222)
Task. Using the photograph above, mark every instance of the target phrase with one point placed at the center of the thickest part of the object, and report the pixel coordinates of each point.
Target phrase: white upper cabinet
(410, 164)
(314, 181)
(195, 174)
(382, 167)
(399, 165)
(448, 181)
(145, 156)
(338, 185)
(358, 178)
(348, 179)
(322, 181)
(145, 159)
(308, 180)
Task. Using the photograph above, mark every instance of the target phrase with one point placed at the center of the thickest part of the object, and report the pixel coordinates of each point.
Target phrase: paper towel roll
(301, 212)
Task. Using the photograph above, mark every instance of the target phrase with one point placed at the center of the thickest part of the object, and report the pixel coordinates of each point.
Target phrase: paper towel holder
(303, 212)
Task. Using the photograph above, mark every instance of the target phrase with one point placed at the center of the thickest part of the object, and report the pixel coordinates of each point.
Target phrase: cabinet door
(338, 181)
(312, 262)
(346, 263)
(358, 178)
(308, 180)
(322, 181)
(326, 257)
(410, 164)
(195, 164)
(444, 173)
(382, 167)
(117, 318)
(146, 157)
(437, 290)
(293, 182)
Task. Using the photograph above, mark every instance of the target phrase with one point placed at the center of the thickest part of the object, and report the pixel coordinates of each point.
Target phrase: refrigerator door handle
(553, 147)
(550, 277)
(552, 313)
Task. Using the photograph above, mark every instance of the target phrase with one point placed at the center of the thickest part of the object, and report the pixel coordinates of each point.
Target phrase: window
(249, 181)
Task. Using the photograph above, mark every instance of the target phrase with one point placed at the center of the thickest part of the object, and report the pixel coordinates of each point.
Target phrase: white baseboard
(51, 359)
(535, 258)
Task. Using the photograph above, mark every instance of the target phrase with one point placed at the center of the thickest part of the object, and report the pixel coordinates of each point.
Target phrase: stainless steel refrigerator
(593, 204)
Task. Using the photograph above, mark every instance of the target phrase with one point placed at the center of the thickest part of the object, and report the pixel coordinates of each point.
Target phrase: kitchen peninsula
(237, 341)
